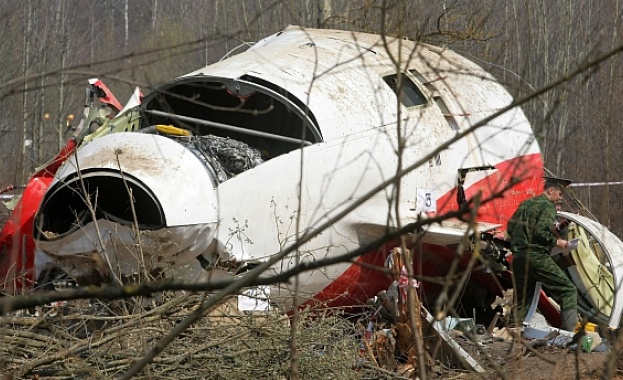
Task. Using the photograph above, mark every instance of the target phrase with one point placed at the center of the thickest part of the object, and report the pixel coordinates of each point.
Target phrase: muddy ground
(515, 361)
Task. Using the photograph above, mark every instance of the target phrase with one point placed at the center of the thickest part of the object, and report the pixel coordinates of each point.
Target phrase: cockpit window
(248, 110)
(410, 95)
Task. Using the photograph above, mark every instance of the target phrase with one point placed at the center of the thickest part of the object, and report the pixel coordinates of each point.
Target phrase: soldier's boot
(569, 319)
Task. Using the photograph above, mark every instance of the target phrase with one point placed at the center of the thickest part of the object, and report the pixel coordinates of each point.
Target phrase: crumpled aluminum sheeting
(226, 157)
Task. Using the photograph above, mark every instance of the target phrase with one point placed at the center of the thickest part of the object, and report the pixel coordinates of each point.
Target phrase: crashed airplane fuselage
(321, 109)
(278, 140)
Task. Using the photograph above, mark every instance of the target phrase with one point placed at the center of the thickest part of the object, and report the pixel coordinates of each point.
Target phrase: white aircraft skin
(333, 82)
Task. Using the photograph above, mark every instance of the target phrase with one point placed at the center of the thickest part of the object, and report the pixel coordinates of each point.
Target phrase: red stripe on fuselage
(525, 171)
(360, 282)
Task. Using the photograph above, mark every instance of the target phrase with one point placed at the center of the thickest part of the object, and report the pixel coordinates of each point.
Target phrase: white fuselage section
(348, 83)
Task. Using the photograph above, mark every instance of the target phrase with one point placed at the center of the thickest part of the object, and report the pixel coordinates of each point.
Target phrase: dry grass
(82, 340)
(97, 340)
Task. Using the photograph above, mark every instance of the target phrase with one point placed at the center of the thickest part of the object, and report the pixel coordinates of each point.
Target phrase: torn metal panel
(453, 231)
(103, 249)
(596, 269)
(444, 348)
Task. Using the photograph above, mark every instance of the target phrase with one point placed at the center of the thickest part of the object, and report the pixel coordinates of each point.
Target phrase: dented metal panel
(586, 273)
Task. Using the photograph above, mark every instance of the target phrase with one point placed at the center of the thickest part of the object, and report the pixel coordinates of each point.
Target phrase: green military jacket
(530, 227)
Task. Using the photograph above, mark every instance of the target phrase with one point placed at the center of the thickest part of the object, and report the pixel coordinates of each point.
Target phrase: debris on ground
(465, 349)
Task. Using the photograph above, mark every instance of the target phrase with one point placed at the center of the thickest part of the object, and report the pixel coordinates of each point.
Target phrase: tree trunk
(126, 24)
(62, 31)
(154, 15)
(324, 16)
(24, 163)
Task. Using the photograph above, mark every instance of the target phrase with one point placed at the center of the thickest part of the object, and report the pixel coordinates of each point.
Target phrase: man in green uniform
(532, 238)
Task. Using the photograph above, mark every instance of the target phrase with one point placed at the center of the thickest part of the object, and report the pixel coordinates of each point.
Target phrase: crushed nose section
(87, 221)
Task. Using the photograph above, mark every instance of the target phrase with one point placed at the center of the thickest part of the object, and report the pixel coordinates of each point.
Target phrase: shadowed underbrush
(95, 340)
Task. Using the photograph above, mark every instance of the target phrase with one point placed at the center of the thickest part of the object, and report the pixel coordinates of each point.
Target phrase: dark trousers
(537, 266)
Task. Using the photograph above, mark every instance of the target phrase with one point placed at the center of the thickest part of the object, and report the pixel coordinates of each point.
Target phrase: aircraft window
(423, 81)
(437, 99)
(410, 95)
(446, 113)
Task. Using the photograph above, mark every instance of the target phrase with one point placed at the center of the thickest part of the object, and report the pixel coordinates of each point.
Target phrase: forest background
(50, 48)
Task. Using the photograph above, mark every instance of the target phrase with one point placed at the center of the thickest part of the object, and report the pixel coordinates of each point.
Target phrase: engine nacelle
(111, 206)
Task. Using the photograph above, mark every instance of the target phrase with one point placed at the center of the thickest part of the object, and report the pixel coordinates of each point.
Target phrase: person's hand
(562, 243)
